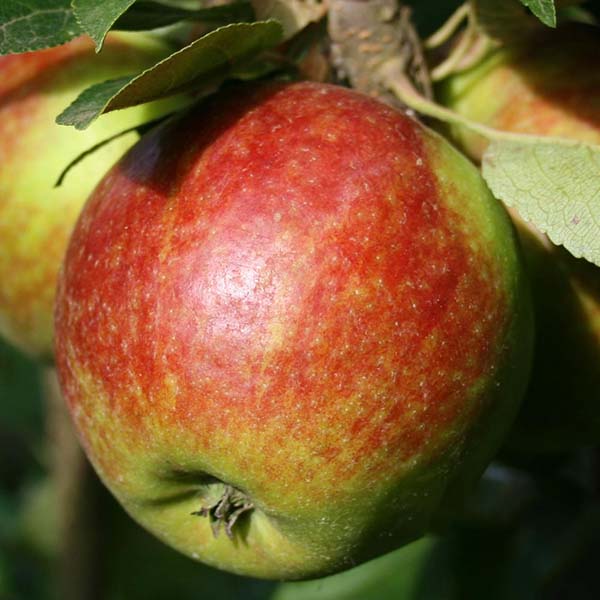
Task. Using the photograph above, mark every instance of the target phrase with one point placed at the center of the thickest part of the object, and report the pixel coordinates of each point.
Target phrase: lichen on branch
(374, 40)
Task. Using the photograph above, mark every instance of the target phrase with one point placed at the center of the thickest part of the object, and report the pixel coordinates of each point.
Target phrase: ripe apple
(289, 326)
(35, 217)
(545, 87)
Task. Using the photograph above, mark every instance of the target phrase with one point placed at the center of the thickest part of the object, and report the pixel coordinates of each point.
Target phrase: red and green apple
(290, 325)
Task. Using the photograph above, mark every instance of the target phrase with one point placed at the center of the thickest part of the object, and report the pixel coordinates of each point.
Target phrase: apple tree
(200, 89)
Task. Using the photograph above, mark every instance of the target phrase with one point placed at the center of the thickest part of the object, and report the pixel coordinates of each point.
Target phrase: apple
(542, 86)
(35, 217)
(289, 326)
(545, 87)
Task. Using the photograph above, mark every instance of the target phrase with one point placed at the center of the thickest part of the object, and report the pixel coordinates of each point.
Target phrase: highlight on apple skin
(546, 86)
(291, 325)
(36, 218)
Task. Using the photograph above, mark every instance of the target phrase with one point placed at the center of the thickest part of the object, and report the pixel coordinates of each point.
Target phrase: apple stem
(403, 88)
(225, 512)
(450, 64)
(449, 28)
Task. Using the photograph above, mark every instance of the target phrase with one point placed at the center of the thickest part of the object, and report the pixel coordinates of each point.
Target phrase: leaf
(27, 25)
(92, 102)
(204, 62)
(151, 15)
(555, 184)
(293, 15)
(544, 10)
(97, 18)
(302, 43)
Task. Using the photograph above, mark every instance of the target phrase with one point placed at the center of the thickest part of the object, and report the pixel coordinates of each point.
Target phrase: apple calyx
(225, 512)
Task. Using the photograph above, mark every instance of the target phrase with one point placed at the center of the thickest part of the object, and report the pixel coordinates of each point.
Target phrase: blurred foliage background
(531, 530)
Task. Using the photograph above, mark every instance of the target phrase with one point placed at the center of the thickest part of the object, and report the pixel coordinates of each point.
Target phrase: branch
(368, 37)
(77, 573)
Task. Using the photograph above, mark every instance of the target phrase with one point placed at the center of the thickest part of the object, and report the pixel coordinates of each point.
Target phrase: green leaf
(151, 15)
(97, 18)
(27, 25)
(554, 184)
(294, 15)
(205, 62)
(92, 102)
(301, 44)
(544, 10)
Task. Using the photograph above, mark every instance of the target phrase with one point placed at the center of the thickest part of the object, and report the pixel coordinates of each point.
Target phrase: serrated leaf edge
(99, 43)
(148, 70)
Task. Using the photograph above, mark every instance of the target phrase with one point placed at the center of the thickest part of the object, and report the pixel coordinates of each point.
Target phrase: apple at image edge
(36, 217)
(256, 319)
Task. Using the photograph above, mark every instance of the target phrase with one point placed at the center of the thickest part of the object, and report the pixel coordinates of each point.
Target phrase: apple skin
(304, 294)
(35, 217)
(545, 88)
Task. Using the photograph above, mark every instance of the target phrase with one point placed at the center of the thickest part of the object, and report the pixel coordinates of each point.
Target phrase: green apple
(35, 216)
(546, 86)
(290, 326)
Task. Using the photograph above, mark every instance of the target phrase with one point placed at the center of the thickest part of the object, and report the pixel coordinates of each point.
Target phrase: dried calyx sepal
(226, 510)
